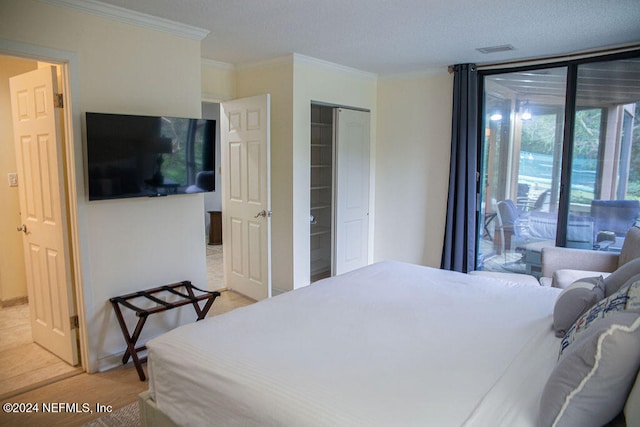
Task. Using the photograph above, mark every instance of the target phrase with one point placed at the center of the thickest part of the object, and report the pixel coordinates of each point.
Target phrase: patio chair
(510, 225)
(612, 219)
(563, 266)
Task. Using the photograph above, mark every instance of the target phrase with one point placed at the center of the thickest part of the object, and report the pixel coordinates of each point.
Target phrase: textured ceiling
(389, 37)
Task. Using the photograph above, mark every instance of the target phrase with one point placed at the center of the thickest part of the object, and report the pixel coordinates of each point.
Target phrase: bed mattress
(388, 344)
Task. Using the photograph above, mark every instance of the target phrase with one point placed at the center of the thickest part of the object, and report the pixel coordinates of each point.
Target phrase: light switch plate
(13, 179)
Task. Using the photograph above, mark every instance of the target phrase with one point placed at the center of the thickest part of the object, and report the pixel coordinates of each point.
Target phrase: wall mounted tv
(144, 156)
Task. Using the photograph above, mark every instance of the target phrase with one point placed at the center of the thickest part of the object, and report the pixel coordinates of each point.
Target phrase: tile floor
(23, 363)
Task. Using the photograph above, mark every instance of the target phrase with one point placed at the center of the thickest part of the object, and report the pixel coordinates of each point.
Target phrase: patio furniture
(612, 219)
(563, 266)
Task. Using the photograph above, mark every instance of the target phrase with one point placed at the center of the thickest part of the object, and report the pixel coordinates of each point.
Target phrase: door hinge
(74, 322)
(58, 100)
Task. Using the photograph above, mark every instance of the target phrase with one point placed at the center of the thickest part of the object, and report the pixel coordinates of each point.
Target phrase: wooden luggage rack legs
(186, 295)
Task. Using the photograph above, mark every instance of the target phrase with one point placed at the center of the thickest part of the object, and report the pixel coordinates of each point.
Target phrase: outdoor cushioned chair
(563, 266)
(612, 219)
(511, 226)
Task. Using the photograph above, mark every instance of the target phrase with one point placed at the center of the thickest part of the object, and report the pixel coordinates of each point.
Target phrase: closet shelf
(318, 230)
(319, 207)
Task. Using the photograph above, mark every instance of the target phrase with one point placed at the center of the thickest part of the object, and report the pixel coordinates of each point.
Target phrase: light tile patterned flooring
(24, 365)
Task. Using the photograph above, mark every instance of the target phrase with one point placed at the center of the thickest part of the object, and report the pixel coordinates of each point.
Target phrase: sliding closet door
(352, 190)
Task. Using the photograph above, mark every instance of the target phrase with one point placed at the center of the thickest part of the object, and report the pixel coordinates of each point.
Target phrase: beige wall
(13, 283)
(412, 167)
(132, 244)
(329, 83)
(218, 81)
(410, 135)
(294, 82)
(276, 78)
(125, 245)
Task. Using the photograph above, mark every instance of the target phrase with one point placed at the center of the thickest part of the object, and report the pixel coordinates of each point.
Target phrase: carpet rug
(127, 416)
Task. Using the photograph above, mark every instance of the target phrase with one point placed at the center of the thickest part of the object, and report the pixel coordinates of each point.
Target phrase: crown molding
(212, 63)
(298, 59)
(127, 16)
(414, 75)
(332, 66)
(214, 97)
(273, 62)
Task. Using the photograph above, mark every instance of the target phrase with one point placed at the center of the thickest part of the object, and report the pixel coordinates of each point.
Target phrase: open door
(352, 190)
(36, 127)
(246, 201)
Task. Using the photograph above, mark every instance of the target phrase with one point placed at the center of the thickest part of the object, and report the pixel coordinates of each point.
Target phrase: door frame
(69, 67)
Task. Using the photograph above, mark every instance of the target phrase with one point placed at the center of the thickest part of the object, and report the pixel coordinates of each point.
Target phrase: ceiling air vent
(495, 49)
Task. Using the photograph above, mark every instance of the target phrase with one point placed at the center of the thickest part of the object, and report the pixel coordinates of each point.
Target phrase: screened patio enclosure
(560, 162)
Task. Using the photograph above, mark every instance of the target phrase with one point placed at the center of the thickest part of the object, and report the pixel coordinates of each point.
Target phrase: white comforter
(389, 344)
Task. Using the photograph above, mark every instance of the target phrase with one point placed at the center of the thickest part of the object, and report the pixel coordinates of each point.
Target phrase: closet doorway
(339, 190)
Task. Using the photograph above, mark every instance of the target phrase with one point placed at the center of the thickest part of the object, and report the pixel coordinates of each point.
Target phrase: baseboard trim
(14, 301)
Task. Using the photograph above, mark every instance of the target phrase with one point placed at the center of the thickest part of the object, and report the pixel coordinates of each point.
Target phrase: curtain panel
(459, 249)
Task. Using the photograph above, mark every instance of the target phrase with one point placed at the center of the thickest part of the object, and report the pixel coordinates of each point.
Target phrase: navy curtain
(459, 249)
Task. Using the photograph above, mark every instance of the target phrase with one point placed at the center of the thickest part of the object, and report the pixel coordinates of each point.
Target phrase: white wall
(412, 167)
(132, 244)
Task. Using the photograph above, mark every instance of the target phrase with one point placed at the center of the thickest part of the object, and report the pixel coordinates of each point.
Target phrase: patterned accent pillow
(574, 301)
(598, 364)
(626, 299)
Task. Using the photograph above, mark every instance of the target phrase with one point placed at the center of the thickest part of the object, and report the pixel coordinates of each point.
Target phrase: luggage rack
(184, 290)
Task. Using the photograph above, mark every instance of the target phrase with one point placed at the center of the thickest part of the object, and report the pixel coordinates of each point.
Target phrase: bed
(388, 344)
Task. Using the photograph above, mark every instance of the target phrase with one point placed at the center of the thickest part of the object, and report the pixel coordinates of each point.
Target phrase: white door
(246, 202)
(352, 190)
(36, 127)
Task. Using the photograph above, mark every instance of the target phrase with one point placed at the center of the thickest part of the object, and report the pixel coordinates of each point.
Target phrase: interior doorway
(26, 365)
(213, 209)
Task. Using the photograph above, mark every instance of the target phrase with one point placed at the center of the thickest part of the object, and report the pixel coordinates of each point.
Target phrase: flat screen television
(145, 156)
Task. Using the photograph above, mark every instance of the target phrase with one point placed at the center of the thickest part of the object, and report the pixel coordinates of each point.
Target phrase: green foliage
(587, 133)
(634, 169)
(539, 134)
(633, 190)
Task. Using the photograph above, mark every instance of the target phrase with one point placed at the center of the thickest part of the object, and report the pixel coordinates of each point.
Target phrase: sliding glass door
(605, 174)
(524, 123)
(558, 162)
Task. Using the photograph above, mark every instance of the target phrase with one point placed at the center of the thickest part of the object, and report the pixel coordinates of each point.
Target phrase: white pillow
(632, 407)
(621, 276)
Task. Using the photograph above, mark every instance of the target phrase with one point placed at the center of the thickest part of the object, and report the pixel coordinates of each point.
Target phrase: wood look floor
(115, 388)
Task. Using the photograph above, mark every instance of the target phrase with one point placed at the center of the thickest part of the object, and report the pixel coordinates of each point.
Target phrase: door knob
(23, 228)
(263, 214)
